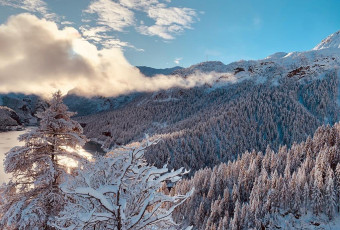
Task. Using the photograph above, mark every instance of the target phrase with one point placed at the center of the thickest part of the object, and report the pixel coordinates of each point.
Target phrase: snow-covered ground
(308, 221)
(7, 141)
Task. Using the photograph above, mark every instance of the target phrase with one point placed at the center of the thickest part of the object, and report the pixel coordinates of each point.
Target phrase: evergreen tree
(235, 194)
(236, 221)
(33, 197)
(220, 224)
(337, 185)
(330, 195)
(318, 198)
(200, 216)
(306, 197)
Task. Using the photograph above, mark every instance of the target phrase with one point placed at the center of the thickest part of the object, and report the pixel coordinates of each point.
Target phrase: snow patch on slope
(277, 55)
(332, 41)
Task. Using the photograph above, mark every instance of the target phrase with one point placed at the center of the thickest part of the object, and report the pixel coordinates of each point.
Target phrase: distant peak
(150, 72)
(277, 55)
(207, 63)
(332, 41)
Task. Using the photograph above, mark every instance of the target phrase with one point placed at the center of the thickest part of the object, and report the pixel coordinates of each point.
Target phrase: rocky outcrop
(9, 119)
(25, 106)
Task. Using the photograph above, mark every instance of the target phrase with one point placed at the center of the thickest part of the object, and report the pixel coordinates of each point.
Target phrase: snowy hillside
(331, 42)
(275, 101)
(296, 188)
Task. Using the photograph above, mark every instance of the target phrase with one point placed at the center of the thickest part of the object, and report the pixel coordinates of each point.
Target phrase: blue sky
(159, 33)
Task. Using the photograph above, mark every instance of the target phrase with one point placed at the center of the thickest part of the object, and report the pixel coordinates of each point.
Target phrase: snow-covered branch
(121, 191)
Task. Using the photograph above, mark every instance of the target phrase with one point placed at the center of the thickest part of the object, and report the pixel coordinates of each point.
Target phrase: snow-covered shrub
(121, 191)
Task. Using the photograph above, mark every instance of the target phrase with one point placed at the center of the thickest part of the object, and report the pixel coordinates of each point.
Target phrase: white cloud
(111, 14)
(160, 31)
(168, 21)
(67, 23)
(177, 60)
(139, 4)
(98, 35)
(94, 33)
(86, 20)
(33, 6)
(38, 57)
(173, 15)
(116, 15)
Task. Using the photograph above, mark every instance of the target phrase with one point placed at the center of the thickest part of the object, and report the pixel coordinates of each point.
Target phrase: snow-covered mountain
(314, 63)
(238, 135)
(150, 72)
(274, 101)
(332, 41)
(325, 56)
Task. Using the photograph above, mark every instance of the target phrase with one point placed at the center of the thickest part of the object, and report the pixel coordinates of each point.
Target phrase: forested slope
(204, 126)
(295, 188)
(275, 101)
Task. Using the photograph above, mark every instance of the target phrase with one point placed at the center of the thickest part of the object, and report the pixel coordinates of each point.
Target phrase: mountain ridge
(332, 41)
(150, 72)
(249, 104)
(313, 64)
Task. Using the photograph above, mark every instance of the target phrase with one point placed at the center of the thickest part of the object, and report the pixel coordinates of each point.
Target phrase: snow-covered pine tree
(200, 216)
(235, 223)
(337, 185)
(235, 194)
(269, 196)
(306, 199)
(317, 193)
(32, 197)
(330, 195)
(121, 192)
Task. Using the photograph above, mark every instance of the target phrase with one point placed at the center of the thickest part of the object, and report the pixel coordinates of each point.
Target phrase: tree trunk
(118, 213)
